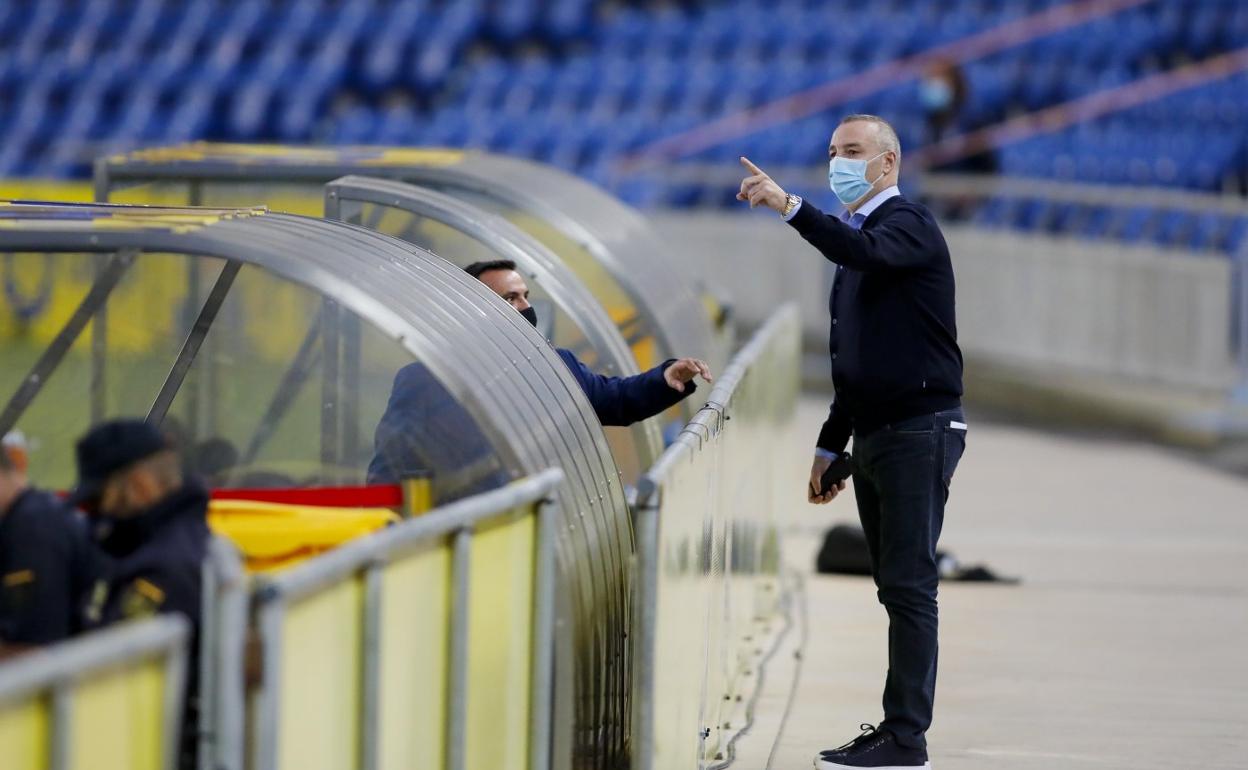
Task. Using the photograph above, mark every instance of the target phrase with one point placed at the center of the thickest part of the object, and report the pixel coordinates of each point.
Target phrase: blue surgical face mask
(848, 178)
(935, 94)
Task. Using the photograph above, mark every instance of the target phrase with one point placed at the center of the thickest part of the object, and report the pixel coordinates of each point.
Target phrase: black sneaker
(874, 748)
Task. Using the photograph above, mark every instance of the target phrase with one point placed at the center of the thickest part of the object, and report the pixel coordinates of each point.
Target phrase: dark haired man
(616, 400)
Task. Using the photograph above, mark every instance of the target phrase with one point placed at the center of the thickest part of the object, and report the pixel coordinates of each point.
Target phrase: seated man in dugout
(48, 564)
(424, 431)
(616, 400)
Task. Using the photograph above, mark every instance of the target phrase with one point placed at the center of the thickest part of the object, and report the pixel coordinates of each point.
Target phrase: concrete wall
(1036, 301)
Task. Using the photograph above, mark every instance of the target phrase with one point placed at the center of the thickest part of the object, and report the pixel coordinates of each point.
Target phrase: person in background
(943, 92)
(48, 564)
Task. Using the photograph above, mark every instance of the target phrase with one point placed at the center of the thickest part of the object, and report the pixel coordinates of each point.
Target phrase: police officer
(48, 564)
(150, 520)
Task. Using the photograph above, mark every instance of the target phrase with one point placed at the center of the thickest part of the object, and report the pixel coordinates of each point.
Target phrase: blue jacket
(425, 430)
(625, 400)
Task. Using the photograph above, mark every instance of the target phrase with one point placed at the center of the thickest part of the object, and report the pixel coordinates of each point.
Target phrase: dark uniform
(48, 567)
(157, 555)
(157, 558)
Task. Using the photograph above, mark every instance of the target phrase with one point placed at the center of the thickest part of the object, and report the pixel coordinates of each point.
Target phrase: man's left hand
(760, 190)
(683, 370)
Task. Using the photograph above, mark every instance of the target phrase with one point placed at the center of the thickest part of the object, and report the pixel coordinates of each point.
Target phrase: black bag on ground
(844, 552)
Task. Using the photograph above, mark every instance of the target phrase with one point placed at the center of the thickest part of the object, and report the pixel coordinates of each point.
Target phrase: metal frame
(368, 556)
(222, 658)
(60, 668)
(91, 308)
(529, 254)
(194, 339)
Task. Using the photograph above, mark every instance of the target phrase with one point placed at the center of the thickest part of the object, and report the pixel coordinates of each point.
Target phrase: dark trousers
(901, 485)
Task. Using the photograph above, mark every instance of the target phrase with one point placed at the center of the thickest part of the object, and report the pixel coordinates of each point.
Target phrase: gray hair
(887, 135)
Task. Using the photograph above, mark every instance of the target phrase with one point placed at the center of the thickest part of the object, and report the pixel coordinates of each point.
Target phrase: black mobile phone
(840, 469)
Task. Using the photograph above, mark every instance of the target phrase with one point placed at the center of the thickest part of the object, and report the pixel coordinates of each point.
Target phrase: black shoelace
(868, 732)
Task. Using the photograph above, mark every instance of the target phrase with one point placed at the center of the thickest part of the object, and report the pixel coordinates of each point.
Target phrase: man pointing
(897, 373)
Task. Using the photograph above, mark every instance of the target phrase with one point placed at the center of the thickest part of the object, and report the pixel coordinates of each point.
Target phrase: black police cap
(110, 447)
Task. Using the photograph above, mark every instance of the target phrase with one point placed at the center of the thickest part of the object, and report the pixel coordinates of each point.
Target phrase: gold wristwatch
(790, 203)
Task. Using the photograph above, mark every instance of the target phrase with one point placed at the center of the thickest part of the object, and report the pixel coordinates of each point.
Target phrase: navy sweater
(893, 338)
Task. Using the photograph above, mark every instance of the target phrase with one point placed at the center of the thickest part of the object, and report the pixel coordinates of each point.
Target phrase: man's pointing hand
(760, 190)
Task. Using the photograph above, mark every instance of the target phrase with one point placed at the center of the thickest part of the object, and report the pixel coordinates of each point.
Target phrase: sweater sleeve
(896, 243)
(626, 400)
(836, 429)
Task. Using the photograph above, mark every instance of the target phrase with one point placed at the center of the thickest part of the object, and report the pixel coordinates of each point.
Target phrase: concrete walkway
(1125, 647)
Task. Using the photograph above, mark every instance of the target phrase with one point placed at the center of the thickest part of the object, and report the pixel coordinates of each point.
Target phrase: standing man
(897, 372)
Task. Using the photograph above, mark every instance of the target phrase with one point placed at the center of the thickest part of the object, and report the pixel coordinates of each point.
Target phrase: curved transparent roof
(609, 244)
(199, 316)
(569, 314)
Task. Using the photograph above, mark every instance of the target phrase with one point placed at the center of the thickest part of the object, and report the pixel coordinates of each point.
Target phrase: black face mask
(531, 315)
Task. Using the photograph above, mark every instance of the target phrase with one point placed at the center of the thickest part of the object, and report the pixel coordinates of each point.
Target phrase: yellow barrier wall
(321, 663)
(396, 614)
(415, 615)
(24, 734)
(116, 722)
(500, 633)
(108, 700)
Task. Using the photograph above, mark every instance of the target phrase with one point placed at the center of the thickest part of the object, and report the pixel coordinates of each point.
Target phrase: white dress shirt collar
(877, 200)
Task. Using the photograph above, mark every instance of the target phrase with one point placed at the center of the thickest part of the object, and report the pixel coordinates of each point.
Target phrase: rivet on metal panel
(727, 725)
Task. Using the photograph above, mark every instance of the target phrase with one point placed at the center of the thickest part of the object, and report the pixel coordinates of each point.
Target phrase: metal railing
(222, 659)
(424, 645)
(110, 700)
(707, 553)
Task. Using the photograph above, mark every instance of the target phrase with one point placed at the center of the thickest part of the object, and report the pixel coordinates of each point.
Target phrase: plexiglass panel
(286, 389)
(636, 329)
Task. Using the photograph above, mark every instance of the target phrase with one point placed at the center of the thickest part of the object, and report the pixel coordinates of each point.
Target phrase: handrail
(64, 669)
(65, 662)
(306, 578)
(364, 562)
